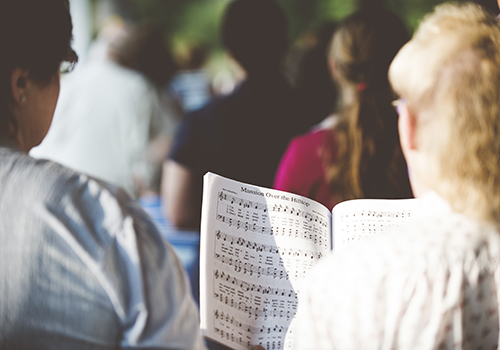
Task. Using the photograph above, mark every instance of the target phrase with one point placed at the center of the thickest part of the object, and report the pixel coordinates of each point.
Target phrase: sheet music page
(256, 245)
(356, 219)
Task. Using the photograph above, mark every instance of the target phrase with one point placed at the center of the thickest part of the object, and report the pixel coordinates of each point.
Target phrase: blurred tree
(165, 13)
(198, 20)
(302, 14)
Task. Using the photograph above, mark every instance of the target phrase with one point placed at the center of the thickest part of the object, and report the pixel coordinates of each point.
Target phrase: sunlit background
(197, 21)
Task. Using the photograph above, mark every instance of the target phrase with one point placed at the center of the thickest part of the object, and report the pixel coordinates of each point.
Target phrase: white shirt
(104, 121)
(83, 267)
(432, 284)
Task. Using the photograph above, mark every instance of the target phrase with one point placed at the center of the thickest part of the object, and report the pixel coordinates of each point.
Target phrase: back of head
(369, 160)
(365, 44)
(197, 56)
(34, 35)
(255, 33)
(450, 75)
(317, 90)
(145, 51)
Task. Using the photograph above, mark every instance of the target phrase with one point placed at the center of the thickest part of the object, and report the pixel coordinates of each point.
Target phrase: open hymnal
(257, 244)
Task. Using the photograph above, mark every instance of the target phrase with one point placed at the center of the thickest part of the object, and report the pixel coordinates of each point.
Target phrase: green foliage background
(198, 20)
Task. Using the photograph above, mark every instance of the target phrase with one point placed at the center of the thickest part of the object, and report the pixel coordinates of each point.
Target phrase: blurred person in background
(191, 86)
(111, 121)
(356, 152)
(243, 135)
(308, 69)
(434, 282)
(81, 265)
(113, 30)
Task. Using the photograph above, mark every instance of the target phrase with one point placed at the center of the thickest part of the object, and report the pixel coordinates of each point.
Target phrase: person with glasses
(81, 265)
(355, 153)
(433, 283)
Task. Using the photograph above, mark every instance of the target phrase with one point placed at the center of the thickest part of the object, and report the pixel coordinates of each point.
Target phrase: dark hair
(197, 56)
(317, 91)
(34, 35)
(369, 162)
(256, 33)
(144, 50)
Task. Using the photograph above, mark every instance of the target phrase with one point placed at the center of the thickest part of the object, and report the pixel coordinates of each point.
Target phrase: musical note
(242, 202)
(250, 310)
(246, 226)
(290, 293)
(278, 208)
(246, 204)
(251, 269)
(238, 340)
(251, 295)
(358, 224)
(268, 248)
(248, 328)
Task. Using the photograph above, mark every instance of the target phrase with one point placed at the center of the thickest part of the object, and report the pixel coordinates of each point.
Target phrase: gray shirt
(83, 267)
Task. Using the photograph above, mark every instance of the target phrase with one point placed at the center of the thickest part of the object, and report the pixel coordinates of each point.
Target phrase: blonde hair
(368, 161)
(450, 75)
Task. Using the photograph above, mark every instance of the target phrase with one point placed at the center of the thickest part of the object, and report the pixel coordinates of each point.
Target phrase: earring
(23, 98)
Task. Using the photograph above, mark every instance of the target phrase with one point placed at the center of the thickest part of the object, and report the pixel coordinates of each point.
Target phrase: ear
(413, 153)
(19, 85)
(407, 129)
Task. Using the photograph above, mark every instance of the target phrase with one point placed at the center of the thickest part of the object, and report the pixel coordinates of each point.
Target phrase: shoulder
(429, 239)
(301, 165)
(97, 221)
(192, 132)
(435, 236)
(200, 124)
(38, 178)
(405, 277)
(209, 112)
(314, 137)
(52, 192)
(307, 146)
(105, 232)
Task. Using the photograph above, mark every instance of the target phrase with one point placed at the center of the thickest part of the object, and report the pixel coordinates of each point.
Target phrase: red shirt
(301, 169)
